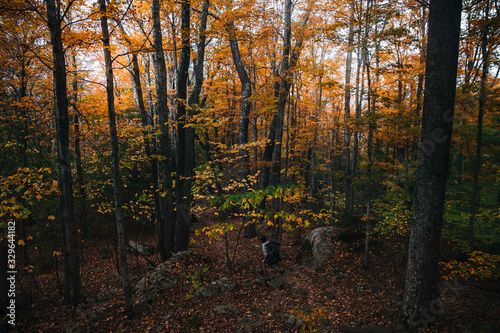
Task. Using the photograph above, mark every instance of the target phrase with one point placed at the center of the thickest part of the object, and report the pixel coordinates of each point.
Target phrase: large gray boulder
(318, 247)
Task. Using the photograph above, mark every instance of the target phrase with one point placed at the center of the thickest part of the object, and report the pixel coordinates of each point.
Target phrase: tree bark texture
(289, 61)
(349, 204)
(422, 276)
(246, 105)
(117, 181)
(150, 149)
(165, 229)
(69, 224)
(183, 181)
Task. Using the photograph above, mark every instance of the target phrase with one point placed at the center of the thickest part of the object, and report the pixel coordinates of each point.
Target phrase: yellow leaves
(51, 217)
(23, 190)
(312, 320)
(215, 230)
(480, 265)
(56, 254)
(21, 242)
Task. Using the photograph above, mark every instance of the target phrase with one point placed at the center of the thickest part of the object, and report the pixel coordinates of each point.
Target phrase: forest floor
(340, 297)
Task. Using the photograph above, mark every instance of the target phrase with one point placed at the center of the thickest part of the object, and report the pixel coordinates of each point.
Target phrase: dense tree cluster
(379, 116)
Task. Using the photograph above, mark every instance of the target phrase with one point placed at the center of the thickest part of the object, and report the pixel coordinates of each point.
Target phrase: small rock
(143, 250)
(162, 278)
(249, 323)
(361, 288)
(338, 274)
(223, 309)
(210, 290)
(220, 309)
(72, 327)
(263, 281)
(276, 282)
(214, 289)
(225, 284)
(233, 308)
(292, 320)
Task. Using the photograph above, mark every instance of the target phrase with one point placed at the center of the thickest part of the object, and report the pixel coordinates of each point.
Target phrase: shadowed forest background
(134, 131)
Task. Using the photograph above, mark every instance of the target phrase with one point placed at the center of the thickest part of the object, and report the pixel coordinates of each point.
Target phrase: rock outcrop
(318, 247)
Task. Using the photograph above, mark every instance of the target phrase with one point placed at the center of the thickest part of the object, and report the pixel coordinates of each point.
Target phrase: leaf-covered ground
(338, 298)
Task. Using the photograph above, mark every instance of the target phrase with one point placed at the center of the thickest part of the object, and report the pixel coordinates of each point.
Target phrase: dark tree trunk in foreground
(422, 276)
(69, 225)
(183, 182)
(165, 226)
(117, 181)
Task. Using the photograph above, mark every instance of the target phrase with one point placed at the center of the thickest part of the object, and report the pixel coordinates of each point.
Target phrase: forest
(146, 147)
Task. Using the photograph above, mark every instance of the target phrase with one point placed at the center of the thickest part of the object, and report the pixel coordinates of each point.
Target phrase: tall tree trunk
(183, 181)
(149, 97)
(317, 96)
(78, 154)
(165, 229)
(370, 113)
(359, 91)
(246, 105)
(77, 147)
(194, 97)
(149, 147)
(422, 276)
(349, 204)
(420, 84)
(117, 181)
(474, 204)
(289, 62)
(283, 94)
(172, 75)
(69, 225)
(371, 128)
